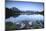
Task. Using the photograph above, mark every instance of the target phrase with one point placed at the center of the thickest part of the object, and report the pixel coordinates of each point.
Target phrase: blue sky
(25, 6)
(10, 0)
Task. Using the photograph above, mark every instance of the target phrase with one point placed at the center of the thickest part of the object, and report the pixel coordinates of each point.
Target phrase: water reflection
(27, 21)
(26, 17)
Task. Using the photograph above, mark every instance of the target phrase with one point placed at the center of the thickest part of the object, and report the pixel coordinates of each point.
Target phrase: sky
(25, 6)
(10, 0)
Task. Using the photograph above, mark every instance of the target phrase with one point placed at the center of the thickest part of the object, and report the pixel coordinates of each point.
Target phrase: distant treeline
(13, 12)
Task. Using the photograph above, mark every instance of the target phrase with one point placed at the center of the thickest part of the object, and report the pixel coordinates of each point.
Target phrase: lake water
(34, 17)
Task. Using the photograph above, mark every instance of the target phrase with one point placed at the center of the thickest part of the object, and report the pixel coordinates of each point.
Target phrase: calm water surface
(33, 17)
